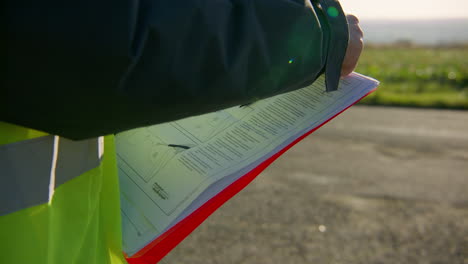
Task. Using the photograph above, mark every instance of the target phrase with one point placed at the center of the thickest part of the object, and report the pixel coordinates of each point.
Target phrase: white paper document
(167, 171)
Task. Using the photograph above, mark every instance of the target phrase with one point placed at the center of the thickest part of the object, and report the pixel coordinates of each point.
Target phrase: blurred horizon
(406, 10)
(423, 32)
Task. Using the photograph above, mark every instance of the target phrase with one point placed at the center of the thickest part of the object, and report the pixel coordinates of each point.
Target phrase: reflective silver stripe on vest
(26, 168)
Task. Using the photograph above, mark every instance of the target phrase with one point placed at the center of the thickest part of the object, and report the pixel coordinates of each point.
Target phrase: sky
(406, 9)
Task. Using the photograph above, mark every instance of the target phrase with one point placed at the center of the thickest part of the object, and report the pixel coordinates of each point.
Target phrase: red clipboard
(160, 247)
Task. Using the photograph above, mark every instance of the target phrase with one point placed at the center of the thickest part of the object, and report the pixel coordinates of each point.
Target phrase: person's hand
(355, 46)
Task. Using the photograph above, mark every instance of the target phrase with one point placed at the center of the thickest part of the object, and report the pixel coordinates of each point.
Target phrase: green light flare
(332, 11)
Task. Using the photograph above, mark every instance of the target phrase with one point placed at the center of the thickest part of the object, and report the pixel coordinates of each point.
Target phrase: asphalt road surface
(375, 185)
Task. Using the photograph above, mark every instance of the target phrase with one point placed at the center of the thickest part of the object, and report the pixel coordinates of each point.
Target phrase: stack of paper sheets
(168, 171)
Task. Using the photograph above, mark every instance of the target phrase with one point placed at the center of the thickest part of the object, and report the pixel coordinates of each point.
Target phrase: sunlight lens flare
(332, 11)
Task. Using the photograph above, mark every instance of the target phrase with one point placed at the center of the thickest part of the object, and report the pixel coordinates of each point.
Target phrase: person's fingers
(352, 56)
(352, 19)
(350, 62)
(355, 46)
(357, 31)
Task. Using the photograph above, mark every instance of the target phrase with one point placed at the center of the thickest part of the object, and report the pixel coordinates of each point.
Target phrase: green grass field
(417, 76)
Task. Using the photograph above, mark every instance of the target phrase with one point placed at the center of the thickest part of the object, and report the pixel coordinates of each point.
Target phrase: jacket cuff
(338, 42)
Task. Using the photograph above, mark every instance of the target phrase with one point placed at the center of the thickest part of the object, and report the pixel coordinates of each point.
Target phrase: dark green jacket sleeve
(86, 68)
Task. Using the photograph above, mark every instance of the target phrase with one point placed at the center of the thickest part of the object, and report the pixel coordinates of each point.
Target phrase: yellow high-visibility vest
(59, 199)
